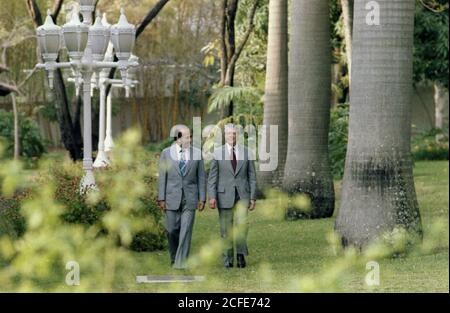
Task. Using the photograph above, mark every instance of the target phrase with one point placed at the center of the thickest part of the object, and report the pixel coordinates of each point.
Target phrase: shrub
(79, 210)
(31, 143)
(338, 137)
(430, 145)
(12, 223)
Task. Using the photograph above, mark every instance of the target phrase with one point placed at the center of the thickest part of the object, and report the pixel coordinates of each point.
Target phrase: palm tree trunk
(307, 168)
(276, 90)
(378, 189)
(347, 12)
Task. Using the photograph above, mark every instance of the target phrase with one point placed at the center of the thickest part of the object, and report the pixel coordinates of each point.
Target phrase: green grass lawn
(282, 251)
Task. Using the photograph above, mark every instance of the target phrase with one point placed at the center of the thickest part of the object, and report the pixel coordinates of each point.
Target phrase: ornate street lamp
(105, 141)
(49, 40)
(86, 9)
(86, 45)
(123, 35)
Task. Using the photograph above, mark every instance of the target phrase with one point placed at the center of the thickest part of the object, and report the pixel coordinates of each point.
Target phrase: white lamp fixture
(87, 47)
(123, 36)
(86, 9)
(75, 36)
(49, 40)
(99, 35)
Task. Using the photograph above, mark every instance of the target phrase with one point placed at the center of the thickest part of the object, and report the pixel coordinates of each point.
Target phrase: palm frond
(223, 96)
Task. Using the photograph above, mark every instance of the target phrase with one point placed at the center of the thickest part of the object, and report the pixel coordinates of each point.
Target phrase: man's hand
(252, 205)
(162, 204)
(212, 203)
(200, 205)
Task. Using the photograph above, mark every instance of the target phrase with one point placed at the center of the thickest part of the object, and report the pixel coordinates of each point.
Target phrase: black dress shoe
(241, 261)
(228, 264)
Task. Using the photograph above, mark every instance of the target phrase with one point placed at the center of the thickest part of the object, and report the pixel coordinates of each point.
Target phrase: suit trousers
(179, 225)
(234, 229)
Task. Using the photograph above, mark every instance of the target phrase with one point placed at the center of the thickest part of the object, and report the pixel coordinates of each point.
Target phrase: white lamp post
(109, 142)
(86, 47)
(105, 141)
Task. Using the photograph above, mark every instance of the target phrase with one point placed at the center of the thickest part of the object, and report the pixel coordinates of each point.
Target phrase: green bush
(31, 143)
(430, 145)
(337, 139)
(79, 210)
(12, 223)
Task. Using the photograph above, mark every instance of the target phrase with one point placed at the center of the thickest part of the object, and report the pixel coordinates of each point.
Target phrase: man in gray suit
(182, 190)
(232, 188)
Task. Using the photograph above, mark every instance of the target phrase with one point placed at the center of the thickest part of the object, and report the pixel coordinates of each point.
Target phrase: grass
(281, 252)
(290, 250)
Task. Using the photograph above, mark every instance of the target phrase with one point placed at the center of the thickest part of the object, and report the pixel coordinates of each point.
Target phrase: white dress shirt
(186, 153)
(230, 152)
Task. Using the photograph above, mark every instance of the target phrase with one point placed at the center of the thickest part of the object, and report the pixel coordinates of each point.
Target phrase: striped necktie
(182, 163)
(233, 159)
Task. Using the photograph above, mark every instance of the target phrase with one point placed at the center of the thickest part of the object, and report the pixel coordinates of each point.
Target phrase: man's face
(230, 136)
(185, 139)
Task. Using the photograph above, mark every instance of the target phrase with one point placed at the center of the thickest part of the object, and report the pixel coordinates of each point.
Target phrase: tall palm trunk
(378, 188)
(307, 168)
(276, 90)
(347, 12)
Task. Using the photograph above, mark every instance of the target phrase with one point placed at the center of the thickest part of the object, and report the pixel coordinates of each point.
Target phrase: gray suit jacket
(172, 183)
(223, 181)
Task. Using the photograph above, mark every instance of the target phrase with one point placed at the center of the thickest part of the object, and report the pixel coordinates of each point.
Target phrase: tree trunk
(378, 191)
(16, 127)
(229, 51)
(307, 168)
(347, 12)
(276, 90)
(69, 134)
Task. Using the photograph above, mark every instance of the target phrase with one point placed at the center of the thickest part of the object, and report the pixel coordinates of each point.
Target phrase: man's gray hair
(231, 127)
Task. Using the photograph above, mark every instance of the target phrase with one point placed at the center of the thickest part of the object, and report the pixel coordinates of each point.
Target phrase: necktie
(182, 163)
(233, 159)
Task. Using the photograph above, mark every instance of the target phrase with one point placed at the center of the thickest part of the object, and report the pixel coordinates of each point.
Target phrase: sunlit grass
(285, 256)
(281, 251)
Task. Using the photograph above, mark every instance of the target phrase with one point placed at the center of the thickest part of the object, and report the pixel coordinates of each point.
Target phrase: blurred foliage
(12, 223)
(30, 141)
(98, 242)
(390, 244)
(36, 261)
(338, 138)
(430, 145)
